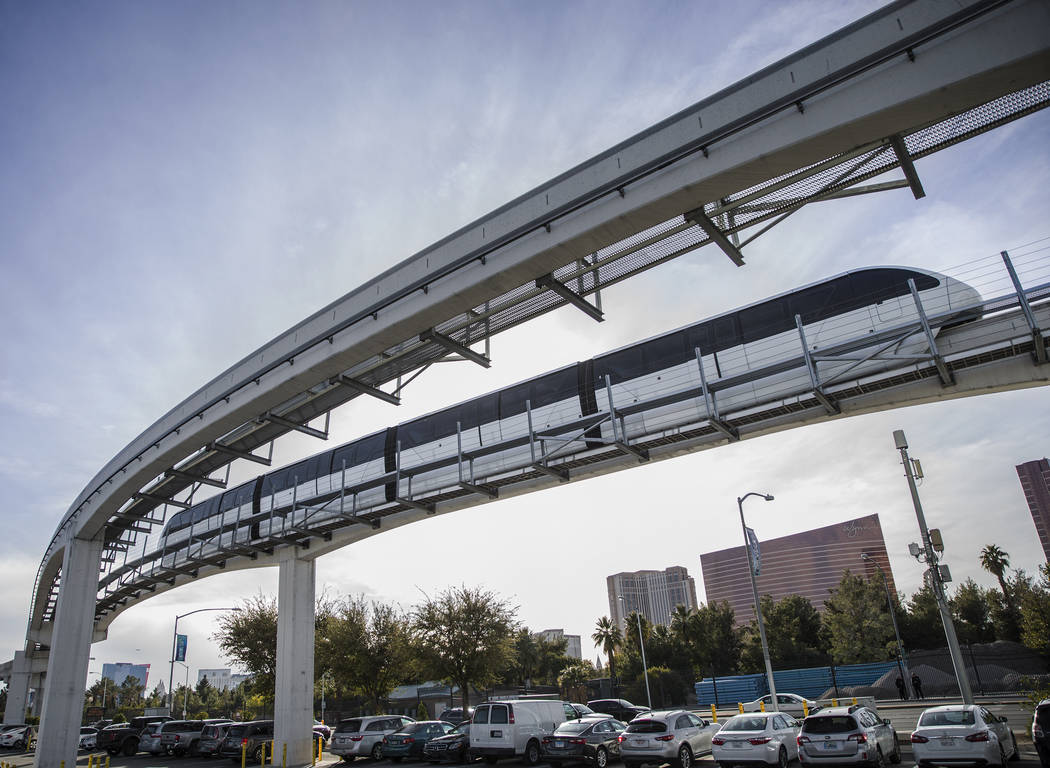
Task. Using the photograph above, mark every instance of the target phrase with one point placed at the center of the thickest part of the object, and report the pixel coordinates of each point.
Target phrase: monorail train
(491, 432)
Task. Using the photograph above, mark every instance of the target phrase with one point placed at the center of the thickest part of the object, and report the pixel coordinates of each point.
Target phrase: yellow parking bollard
(805, 709)
(854, 701)
(262, 756)
(284, 756)
(714, 714)
(107, 761)
(761, 706)
(834, 702)
(740, 706)
(244, 753)
(91, 760)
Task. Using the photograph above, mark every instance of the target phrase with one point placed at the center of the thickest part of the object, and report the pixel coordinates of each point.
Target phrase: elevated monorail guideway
(908, 80)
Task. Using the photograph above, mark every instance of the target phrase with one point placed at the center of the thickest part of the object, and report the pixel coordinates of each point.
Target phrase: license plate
(495, 734)
(639, 742)
(736, 744)
(831, 745)
(947, 742)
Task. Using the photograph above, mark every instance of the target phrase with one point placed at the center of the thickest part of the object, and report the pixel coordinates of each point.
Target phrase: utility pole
(933, 573)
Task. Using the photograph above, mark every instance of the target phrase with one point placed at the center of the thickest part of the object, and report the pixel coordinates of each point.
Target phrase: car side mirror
(886, 721)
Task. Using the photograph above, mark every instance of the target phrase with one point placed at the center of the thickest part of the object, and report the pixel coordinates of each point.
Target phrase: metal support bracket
(907, 166)
(364, 389)
(283, 422)
(160, 499)
(620, 439)
(942, 369)
(220, 448)
(195, 478)
(698, 217)
(492, 493)
(711, 404)
(1038, 341)
(818, 391)
(548, 282)
(562, 475)
(454, 346)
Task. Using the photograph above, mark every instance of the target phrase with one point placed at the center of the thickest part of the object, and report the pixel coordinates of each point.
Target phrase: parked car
(181, 737)
(248, 737)
(453, 746)
(149, 739)
(759, 737)
(847, 735)
(455, 715)
(621, 709)
(408, 741)
(514, 728)
(211, 738)
(363, 736)
(659, 737)
(19, 737)
(592, 739)
(88, 737)
(124, 737)
(577, 711)
(1041, 731)
(959, 733)
(791, 703)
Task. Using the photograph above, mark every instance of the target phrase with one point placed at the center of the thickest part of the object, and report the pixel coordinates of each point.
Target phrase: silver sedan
(760, 737)
(959, 734)
(658, 737)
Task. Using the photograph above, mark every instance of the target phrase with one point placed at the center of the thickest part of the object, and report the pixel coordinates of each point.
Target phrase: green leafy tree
(465, 635)
(573, 679)
(971, 609)
(552, 659)
(857, 621)
(608, 637)
(795, 634)
(921, 627)
(129, 692)
(1035, 612)
(367, 647)
(1006, 616)
(525, 660)
(248, 640)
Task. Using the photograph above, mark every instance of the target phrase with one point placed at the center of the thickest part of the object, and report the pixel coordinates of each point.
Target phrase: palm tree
(995, 561)
(607, 636)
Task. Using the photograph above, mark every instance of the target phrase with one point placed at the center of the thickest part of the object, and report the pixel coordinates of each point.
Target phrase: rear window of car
(957, 717)
(574, 727)
(744, 723)
(499, 715)
(481, 715)
(236, 730)
(349, 726)
(413, 728)
(1042, 715)
(830, 724)
(646, 726)
(174, 725)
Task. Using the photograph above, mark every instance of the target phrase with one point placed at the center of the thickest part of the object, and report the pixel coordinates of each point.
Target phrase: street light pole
(754, 591)
(933, 572)
(896, 633)
(174, 640)
(641, 644)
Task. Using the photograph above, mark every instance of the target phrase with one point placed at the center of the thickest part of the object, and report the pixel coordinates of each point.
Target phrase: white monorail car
(488, 436)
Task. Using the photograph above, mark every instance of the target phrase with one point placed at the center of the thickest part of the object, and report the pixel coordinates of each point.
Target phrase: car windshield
(574, 727)
(829, 724)
(461, 728)
(1042, 715)
(745, 723)
(584, 709)
(646, 726)
(413, 728)
(947, 717)
(236, 731)
(349, 726)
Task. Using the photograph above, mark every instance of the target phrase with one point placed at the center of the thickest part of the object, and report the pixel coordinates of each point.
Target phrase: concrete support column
(70, 647)
(293, 708)
(17, 690)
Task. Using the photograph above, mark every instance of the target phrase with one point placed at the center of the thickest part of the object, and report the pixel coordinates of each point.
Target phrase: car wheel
(782, 758)
(130, 748)
(1002, 756)
(879, 761)
(601, 758)
(257, 754)
(377, 751)
(532, 753)
(685, 756)
(895, 758)
(1016, 754)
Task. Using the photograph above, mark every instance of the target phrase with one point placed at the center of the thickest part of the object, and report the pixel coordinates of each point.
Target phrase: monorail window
(725, 331)
(542, 391)
(822, 301)
(236, 497)
(641, 359)
(205, 510)
(359, 452)
(766, 319)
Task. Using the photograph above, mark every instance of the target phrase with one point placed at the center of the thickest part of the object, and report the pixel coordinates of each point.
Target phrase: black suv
(621, 709)
(247, 736)
(1041, 731)
(124, 737)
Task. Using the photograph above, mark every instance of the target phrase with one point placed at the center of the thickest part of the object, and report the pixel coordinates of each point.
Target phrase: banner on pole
(753, 551)
(180, 647)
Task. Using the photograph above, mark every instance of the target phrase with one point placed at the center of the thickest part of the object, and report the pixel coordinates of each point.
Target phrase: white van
(513, 728)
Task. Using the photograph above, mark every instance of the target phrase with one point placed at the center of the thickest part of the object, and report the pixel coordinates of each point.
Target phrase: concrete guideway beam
(71, 646)
(293, 707)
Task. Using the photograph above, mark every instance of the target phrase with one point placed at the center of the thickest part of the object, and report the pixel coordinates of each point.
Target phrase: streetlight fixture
(933, 573)
(185, 689)
(754, 591)
(174, 640)
(105, 681)
(902, 661)
(641, 644)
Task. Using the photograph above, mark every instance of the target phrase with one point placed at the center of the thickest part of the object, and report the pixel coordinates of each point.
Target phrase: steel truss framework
(561, 451)
(722, 222)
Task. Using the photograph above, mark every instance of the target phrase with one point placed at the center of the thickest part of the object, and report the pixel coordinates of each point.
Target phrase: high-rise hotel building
(1035, 482)
(808, 564)
(653, 594)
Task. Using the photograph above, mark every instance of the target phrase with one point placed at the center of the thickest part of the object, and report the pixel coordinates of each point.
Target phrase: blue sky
(181, 182)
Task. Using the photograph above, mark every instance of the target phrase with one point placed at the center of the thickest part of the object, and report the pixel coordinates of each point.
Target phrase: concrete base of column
(293, 707)
(17, 690)
(70, 647)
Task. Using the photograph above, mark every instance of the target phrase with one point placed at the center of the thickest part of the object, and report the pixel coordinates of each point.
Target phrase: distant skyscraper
(573, 645)
(121, 671)
(1035, 481)
(808, 564)
(653, 594)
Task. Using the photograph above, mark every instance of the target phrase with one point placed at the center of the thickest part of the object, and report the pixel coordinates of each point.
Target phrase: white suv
(363, 736)
(658, 737)
(847, 736)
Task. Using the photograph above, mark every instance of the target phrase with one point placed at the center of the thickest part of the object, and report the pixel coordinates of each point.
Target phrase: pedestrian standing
(900, 688)
(916, 683)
